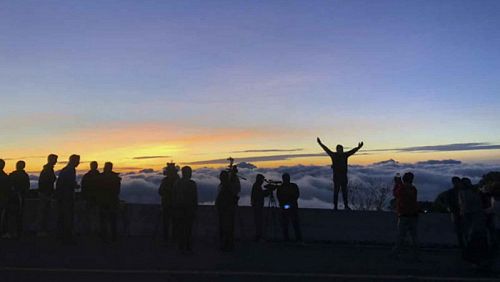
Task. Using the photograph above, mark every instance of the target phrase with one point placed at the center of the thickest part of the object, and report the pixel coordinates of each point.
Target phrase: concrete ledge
(317, 224)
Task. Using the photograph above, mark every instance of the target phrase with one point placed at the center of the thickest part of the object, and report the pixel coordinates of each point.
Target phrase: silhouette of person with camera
(257, 201)
(339, 166)
(225, 205)
(166, 191)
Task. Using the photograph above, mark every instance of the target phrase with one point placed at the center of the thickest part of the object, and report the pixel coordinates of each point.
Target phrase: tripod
(271, 219)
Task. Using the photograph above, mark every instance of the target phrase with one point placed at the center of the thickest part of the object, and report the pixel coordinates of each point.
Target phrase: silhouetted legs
(65, 218)
(168, 221)
(340, 184)
(44, 210)
(459, 229)
(3, 218)
(107, 221)
(407, 226)
(226, 229)
(287, 216)
(184, 220)
(14, 212)
(258, 213)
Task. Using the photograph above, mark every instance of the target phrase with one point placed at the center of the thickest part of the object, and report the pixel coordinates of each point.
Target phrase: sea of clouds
(315, 182)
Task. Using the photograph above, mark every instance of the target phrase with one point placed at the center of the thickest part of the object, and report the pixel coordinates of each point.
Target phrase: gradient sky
(142, 82)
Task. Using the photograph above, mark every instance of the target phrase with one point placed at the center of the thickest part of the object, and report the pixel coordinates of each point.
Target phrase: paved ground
(141, 259)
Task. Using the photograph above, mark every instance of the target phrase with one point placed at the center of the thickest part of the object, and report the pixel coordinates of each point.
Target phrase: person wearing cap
(339, 166)
(165, 191)
(257, 201)
(46, 183)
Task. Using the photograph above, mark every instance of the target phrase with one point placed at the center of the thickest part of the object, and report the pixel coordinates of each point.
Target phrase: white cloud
(315, 182)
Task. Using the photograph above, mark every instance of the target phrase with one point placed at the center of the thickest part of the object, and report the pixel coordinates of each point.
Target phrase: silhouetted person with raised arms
(185, 204)
(166, 191)
(108, 200)
(339, 166)
(288, 195)
(5, 188)
(407, 210)
(257, 200)
(226, 210)
(46, 183)
(90, 187)
(20, 181)
(65, 195)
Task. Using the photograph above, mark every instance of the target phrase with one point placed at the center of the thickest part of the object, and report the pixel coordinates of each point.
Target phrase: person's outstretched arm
(325, 148)
(353, 151)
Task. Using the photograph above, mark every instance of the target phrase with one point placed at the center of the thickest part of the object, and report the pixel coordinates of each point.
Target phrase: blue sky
(274, 73)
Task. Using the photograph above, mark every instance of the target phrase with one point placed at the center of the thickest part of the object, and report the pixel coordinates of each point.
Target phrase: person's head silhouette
(259, 179)
(455, 180)
(186, 172)
(2, 164)
(223, 177)
(286, 178)
(408, 178)
(74, 161)
(108, 167)
(94, 165)
(20, 165)
(52, 159)
(340, 148)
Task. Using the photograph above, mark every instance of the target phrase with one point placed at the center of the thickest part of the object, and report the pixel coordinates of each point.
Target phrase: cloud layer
(315, 182)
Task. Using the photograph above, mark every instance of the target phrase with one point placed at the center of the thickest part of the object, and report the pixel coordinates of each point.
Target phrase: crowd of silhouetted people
(473, 207)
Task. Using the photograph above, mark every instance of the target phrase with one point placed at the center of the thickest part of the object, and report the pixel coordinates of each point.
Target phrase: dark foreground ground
(141, 259)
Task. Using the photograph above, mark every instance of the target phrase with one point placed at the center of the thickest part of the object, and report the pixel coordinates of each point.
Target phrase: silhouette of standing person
(20, 185)
(165, 191)
(65, 195)
(226, 211)
(288, 195)
(339, 166)
(407, 210)
(257, 200)
(185, 204)
(5, 187)
(90, 187)
(108, 200)
(46, 183)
